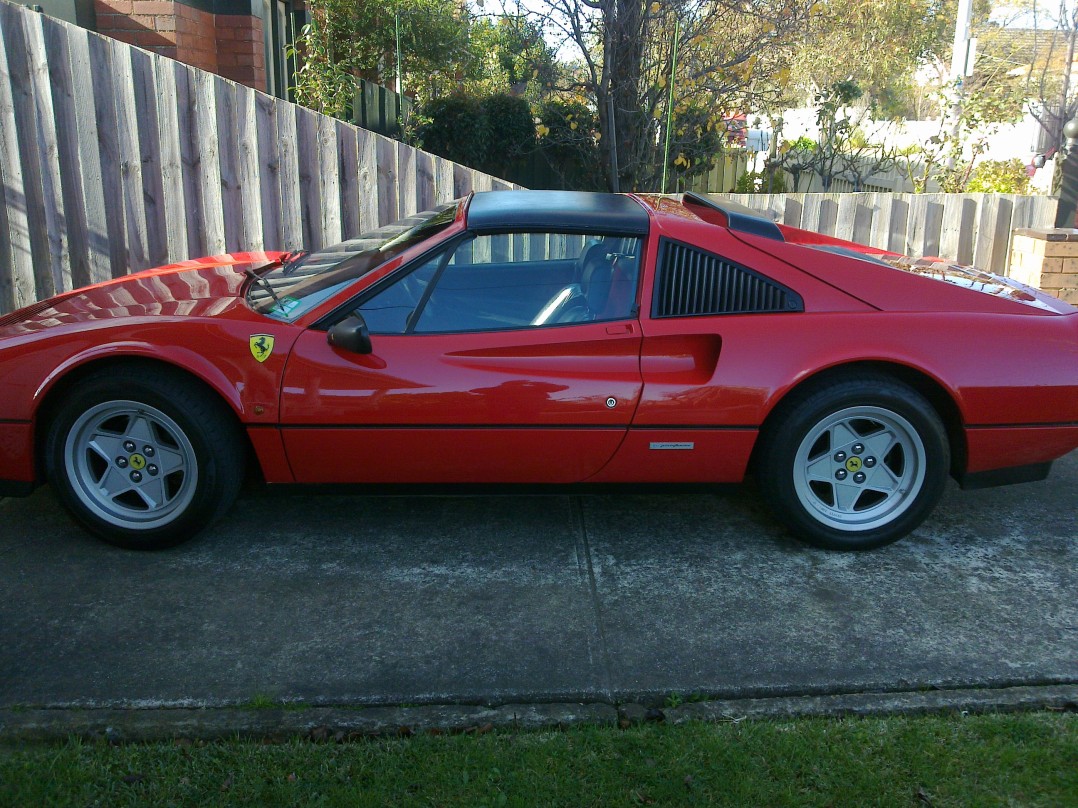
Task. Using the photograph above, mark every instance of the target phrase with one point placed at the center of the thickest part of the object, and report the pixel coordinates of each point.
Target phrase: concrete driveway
(353, 600)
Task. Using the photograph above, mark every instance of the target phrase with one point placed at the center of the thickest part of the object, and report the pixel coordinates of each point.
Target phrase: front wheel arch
(142, 457)
(50, 403)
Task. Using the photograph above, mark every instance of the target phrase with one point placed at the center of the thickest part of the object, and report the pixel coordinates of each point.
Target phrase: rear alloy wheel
(149, 467)
(855, 465)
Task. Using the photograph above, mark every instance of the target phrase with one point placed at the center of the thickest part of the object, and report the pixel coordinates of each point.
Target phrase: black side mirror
(351, 334)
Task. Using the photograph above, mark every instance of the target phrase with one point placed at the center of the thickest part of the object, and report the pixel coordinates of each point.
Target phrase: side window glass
(389, 311)
(530, 280)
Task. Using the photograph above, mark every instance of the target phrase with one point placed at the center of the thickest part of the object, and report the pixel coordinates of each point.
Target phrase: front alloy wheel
(130, 464)
(144, 456)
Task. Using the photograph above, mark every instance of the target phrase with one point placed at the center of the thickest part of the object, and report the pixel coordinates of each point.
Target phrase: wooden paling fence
(966, 228)
(114, 159)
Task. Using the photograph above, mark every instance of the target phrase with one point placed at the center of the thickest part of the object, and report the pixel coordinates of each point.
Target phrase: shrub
(487, 134)
(455, 127)
(999, 177)
(761, 182)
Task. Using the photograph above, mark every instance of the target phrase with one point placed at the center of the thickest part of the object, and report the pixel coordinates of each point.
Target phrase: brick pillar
(196, 43)
(230, 45)
(1048, 260)
(241, 54)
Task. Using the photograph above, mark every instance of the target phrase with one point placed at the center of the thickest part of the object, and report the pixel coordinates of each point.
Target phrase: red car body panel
(17, 451)
(598, 402)
(445, 387)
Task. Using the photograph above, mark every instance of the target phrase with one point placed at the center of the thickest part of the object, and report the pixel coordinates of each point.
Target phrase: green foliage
(624, 60)
(796, 157)
(698, 140)
(455, 127)
(510, 132)
(803, 144)
(950, 156)
(951, 760)
(346, 40)
(325, 80)
(443, 52)
(761, 182)
(569, 142)
(844, 151)
(881, 42)
(488, 134)
(999, 177)
(510, 55)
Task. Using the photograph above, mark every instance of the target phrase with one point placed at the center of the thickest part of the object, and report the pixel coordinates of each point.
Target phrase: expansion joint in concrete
(584, 554)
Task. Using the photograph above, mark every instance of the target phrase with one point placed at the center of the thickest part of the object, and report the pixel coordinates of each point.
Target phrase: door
(504, 359)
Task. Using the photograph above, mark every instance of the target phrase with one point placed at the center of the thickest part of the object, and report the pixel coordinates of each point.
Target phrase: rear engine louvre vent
(693, 283)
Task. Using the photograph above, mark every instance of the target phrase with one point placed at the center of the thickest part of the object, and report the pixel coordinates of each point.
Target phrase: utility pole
(1064, 95)
(670, 101)
(1068, 191)
(960, 66)
(397, 32)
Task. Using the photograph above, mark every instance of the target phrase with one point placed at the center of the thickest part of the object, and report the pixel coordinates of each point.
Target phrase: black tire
(144, 457)
(834, 497)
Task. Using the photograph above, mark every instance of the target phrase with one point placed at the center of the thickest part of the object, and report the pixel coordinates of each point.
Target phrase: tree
(350, 39)
(796, 158)
(880, 43)
(1046, 51)
(569, 143)
(489, 134)
(509, 55)
(949, 157)
(727, 51)
(843, 150)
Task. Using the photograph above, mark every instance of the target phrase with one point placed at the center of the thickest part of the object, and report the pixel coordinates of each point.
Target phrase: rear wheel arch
(938, 396)
(853, 461)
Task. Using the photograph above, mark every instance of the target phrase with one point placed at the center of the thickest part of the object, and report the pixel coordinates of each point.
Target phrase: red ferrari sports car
(542, 337)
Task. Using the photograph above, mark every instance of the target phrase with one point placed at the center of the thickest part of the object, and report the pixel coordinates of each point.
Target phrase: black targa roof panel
(556, 211)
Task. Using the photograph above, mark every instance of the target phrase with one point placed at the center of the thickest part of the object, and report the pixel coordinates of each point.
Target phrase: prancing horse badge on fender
(261, 346)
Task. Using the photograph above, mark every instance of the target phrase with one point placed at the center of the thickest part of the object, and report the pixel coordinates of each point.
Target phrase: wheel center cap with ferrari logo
(137, 462)
(853, 464)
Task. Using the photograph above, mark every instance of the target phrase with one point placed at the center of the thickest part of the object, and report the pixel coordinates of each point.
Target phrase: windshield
(290, 291)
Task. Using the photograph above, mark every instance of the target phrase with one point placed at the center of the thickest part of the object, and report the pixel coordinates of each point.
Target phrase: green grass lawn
(1008, 760)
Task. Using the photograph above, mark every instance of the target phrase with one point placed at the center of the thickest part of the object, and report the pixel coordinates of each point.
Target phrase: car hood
(203, 287)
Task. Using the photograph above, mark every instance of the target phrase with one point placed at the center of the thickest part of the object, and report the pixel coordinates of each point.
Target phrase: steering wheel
(569, 305)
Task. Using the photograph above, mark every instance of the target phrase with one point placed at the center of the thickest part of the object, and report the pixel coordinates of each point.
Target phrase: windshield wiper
(289, 260)
(263, 283)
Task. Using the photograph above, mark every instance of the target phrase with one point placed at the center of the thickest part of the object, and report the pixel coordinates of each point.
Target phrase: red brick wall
(150, 24)
(197, 41)
(227, 44)
(241, 54)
